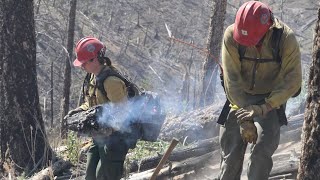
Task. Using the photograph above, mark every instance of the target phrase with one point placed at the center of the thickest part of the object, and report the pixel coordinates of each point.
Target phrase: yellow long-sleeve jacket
(242, 78)
(115, 88)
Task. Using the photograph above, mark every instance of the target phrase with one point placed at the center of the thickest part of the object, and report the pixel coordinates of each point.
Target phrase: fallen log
(176, 168)
(193, 125)
(287, 170)
(71, 176)
(291, 135)
(285, 165)
(56, 169)
(292, 132)
(194, 150)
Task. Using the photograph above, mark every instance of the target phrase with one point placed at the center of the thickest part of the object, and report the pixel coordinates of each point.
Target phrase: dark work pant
(233, 148)
(105, 162)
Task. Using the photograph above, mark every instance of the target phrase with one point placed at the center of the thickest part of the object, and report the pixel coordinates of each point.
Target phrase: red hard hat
(253, 20)
(87, 48)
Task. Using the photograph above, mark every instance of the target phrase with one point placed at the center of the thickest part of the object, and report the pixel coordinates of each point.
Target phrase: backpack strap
(132, 89)
(276, 37)
(84, 89)
(241, 51)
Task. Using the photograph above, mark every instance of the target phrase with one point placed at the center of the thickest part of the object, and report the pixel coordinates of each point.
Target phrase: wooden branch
(283, 176)
(163, 160)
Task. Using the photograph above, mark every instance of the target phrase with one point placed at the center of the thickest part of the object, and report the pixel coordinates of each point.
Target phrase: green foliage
(73, 147)
(143, 150)
(22, 176)
(146, 149)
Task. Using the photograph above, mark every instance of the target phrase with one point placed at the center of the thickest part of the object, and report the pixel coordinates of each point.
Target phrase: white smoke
(122, 116)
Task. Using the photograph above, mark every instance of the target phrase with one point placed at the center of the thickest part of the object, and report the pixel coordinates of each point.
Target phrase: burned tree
(214, 47)
(23, 137)
(67, 71)
(310, 153)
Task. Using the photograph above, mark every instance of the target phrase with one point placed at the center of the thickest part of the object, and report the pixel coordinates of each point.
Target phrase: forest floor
(286, 156)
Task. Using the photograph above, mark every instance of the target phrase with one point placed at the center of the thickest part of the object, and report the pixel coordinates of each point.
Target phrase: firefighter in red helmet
(86, 49)
(106, 155)
(261, 71)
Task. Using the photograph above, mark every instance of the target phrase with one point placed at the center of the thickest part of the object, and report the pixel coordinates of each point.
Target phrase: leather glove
(248, 131)
(249, 112)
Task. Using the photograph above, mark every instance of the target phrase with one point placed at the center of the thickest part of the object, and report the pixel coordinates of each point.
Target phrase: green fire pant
(105, 162)
(233, 148)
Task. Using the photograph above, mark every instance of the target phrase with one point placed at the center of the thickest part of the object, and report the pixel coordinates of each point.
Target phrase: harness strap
(276, 37)
(84, 89)
(133, 90)
(241, 51)
(259, 60)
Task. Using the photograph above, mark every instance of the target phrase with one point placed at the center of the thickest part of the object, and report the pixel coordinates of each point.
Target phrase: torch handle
(173, 144)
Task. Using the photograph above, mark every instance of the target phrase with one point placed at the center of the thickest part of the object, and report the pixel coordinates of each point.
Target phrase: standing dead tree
(310, 153)
(67, 70)
(214, 47)
(185, 90)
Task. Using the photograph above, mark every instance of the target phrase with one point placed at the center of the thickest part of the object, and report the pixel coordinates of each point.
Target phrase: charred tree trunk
(51, 95)
(23, 138)
(310, 153)
(185, 90)
(214, 47)
(67, 71)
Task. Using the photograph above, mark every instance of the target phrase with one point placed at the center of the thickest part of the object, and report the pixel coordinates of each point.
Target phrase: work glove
(248, 131)
(249, 112)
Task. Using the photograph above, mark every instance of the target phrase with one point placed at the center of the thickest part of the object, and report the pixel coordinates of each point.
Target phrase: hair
(272, 16)
(103, 59)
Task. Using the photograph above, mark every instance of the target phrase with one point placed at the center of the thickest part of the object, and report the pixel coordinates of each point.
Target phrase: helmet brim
(77, 63)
